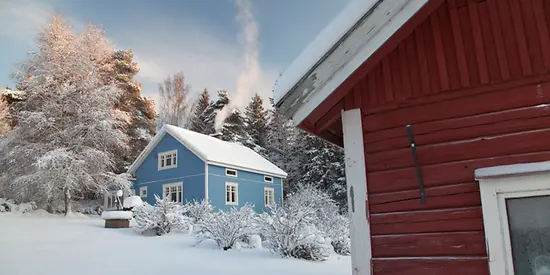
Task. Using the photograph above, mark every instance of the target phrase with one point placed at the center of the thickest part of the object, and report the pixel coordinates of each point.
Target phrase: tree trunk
(67, 202)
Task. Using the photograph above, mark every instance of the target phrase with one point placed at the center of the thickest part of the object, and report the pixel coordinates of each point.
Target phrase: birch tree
(174, 100)
(66, 134)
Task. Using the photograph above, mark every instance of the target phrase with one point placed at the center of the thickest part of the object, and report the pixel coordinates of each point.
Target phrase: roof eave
(267, 173)
(346, 56)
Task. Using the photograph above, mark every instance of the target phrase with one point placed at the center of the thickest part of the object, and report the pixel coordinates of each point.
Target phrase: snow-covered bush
(228, 227)
(291, 232)
(163, 218)
(7, 205)
(334, 226)
(339, 235)
(196, 211)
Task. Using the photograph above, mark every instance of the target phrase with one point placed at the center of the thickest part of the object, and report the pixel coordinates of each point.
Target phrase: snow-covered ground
(46, 244)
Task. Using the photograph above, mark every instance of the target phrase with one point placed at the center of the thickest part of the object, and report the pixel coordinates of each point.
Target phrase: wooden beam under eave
(332, 116)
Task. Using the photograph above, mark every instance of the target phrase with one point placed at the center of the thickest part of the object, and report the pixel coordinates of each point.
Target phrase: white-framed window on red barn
(516, 209)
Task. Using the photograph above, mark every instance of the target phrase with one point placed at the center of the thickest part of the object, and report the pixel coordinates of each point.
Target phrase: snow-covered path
(43, 245)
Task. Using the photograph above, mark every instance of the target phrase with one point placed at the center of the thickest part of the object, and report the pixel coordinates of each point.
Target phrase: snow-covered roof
(356, 33)
(213, 151)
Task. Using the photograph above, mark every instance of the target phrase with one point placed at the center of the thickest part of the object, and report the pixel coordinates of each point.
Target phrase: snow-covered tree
(322, 164)
(228, 227)
(4, 119)
(202, 119)
(65, 136)
(162, 218)
(282, 148)
(256, 120)
(174, 100)
(233, 126)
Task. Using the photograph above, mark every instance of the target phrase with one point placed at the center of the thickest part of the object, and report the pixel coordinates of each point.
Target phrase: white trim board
(380, 22)
(356, 180)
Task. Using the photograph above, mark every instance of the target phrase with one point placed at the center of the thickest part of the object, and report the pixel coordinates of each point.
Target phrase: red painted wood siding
(473, 80)
(464, 44)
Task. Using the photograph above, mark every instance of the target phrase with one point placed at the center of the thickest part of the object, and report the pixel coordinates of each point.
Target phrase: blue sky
(198, 37)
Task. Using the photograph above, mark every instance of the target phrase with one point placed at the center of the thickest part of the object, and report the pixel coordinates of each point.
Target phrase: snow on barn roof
(213, 151)
(356, 33)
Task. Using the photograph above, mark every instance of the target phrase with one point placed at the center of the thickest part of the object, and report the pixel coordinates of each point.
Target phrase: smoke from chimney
(249, 77)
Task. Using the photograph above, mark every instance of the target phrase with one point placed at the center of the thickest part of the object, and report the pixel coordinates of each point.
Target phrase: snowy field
(42, 244)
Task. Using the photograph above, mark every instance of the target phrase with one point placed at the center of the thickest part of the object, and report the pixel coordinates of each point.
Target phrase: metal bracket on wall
(417, 165)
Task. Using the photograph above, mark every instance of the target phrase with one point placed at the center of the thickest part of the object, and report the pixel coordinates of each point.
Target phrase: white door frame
(497, 184)
(356, 180)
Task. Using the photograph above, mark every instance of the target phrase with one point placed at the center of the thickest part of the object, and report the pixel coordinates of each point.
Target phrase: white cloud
(21, 20)
(160, 48)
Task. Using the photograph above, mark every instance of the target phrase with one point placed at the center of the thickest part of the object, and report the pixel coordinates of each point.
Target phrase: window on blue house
(168, 159)
(230, 172)
(231, 193)
(173, 191)
(143, 192)
(268, 179)
(269, 196)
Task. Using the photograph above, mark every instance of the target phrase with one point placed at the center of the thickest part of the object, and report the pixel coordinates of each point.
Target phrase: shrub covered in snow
(196, 211)
(291, 232)
(338, 233)
(162, 218)
(10, 206)
(228, 227)
(306, 226)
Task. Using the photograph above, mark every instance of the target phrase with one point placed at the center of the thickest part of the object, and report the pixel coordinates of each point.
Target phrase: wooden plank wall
(473, 81)
(464, 44)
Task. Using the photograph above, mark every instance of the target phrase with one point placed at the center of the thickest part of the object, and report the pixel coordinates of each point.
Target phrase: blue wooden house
(185, 166)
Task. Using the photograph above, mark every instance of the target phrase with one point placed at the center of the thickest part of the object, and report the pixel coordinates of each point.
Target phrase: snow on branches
(306, 226)
(65, 136)
(162, 218)
(197, 211)
(228, 227)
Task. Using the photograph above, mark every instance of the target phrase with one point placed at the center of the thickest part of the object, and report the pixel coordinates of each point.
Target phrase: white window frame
(268, 177)
(269, 191)
(141, 189)
(227, 198)
(233, 170)
(495, 188)
(162, 156)
(177, 185)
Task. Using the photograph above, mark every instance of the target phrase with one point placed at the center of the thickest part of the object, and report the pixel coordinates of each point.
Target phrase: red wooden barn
(470, 193)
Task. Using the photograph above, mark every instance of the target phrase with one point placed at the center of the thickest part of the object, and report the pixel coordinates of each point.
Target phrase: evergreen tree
(322, 164)
(200, 120)
(233, 126)
(256, 125)
(282, 149)
(136, 114)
